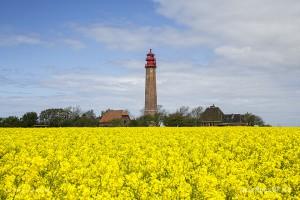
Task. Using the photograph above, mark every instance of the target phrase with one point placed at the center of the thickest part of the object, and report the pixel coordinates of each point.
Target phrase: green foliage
(174, 119)
(55, 117)
(118, 123)
(68, 117)
(87, 119)
(11, 121)
(184, 117)
(146, 120)
(29, 119)
(253, 120)
(74, 117)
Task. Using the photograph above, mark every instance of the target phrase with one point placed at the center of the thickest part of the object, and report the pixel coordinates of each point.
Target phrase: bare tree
(183, 110)
(196, 114)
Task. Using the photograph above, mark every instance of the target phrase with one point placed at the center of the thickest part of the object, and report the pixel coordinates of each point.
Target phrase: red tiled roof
(113, 114)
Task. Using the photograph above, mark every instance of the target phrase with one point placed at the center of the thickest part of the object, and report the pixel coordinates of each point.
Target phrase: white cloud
(248, 56)
(139, 38)
(92, 82)
(73, 43)
(7, 40)
(266, 29)
(13, 40)
(129, 64)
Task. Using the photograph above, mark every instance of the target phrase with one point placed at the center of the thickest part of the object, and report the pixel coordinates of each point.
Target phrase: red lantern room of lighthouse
(151, 61)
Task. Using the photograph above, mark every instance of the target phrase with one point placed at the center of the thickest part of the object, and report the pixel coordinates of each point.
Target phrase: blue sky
(240, 55)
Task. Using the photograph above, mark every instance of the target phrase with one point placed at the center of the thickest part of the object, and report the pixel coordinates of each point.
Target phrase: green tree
(174, 119)
(1, 121)
(87, 119)
(253, 120)
(149, 120)
(182, 117)
(11, 121)
(145, 120)
(56, 117)
(118, 123)
(29, 119)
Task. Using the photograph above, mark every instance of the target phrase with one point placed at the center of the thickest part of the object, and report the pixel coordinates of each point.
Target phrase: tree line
(186, 117)
(75, 117)
(53, 117)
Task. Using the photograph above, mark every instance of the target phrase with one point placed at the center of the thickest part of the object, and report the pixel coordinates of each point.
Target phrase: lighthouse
(150, 85)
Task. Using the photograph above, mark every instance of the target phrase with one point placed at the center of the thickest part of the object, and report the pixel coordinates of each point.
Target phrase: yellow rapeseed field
(150, 163)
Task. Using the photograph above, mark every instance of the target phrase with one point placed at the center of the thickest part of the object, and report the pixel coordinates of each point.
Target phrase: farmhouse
(213, 116)
(115, 118)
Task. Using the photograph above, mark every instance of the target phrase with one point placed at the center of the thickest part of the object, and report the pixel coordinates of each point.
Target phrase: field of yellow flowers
(150, 163)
